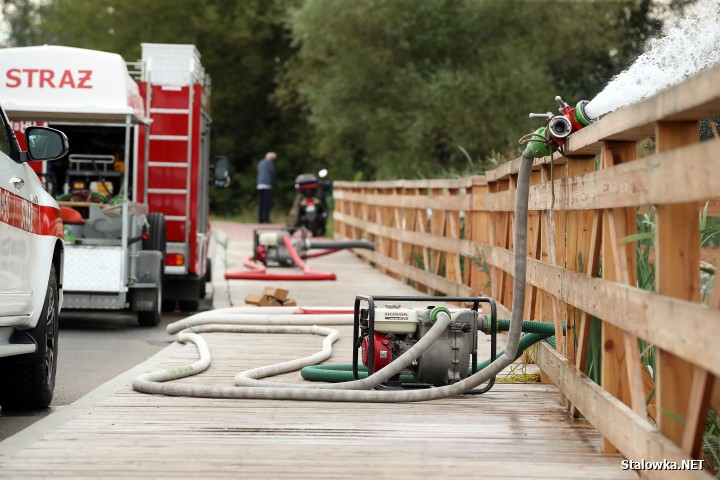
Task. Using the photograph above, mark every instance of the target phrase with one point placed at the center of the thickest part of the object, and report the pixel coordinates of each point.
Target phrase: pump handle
(546, 116)
(561, 102)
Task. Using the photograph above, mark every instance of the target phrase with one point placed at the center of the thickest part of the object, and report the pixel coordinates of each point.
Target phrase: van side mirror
(45, 143)
(221, 172)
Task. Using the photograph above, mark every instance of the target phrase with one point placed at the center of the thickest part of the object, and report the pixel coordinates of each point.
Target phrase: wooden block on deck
(289, 302)
(278, 293)
(254, 298)
(270, 302)
(262, 300)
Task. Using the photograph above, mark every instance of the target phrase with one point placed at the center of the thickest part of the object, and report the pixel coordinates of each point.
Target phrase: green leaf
(650, 396)
(674, 416)
(637, 237)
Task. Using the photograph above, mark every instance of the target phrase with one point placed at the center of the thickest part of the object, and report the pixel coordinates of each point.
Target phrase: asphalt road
(94, 348)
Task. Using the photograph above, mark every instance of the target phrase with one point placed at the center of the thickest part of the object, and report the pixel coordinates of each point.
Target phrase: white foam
(689, 46)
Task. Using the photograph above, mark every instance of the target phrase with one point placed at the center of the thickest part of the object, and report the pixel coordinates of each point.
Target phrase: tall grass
(645, 244)
(644, 240)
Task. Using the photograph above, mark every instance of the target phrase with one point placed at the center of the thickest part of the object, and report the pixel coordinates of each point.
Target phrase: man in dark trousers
(265, 184)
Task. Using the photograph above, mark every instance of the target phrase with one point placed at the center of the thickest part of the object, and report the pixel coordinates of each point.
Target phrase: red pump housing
(383, 351)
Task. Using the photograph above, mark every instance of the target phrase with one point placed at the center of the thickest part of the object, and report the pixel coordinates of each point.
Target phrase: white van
(31, 268)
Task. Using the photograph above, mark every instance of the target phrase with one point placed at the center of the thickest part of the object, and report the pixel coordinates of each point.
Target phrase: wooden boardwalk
(515, 431)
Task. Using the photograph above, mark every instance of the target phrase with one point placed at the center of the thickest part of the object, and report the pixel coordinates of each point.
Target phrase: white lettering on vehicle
(27, 216)
(4, 205)
(45, 78)
(21, 126)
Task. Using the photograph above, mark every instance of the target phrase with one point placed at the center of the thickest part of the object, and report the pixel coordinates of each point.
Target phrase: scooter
(310, 209)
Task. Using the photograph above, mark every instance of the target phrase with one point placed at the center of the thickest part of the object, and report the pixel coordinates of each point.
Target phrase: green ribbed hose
(336, 373)
(528, 326)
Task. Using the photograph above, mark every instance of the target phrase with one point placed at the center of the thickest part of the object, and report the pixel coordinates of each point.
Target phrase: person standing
(265, 184)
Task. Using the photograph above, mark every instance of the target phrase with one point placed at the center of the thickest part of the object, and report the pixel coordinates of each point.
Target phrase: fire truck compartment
(96, 157)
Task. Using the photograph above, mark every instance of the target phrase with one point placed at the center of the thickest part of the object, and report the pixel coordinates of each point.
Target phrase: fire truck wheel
(31, 384)
(152, 318)
(208, 270)
(188, 305)
(156, 239)
(169, 305)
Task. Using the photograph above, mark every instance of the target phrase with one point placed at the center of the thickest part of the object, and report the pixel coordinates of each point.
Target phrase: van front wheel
(31, 384)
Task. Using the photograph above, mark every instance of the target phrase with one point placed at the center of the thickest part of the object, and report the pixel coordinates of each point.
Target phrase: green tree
(368, 88)
(23, 18)
(394, 88)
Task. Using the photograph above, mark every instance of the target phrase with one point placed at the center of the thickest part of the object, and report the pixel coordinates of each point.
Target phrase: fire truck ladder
(157, 111)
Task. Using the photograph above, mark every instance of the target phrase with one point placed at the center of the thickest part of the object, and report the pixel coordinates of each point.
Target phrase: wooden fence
(455, 237)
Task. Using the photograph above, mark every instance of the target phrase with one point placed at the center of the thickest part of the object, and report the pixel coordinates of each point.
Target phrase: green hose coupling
(435, 311)
(538, 146)
(581, 115)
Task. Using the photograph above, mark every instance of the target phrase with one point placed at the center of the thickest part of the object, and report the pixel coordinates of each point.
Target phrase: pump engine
(270, 247)
(385, 332)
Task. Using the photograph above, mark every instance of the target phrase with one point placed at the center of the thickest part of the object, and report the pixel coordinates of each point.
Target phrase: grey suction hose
(522, 194)
(329, 244)
(152, 382)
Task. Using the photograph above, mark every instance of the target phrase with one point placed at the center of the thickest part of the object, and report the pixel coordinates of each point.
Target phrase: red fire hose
(253, 265)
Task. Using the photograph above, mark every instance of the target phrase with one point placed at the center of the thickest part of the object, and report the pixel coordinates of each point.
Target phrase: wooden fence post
(683, 389)
(452, 230)
(478, 231)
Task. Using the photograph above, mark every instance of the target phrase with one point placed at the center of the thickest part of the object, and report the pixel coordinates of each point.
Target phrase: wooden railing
(455, 237)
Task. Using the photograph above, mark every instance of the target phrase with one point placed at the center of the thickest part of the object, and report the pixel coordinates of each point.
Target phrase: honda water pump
(384, 332)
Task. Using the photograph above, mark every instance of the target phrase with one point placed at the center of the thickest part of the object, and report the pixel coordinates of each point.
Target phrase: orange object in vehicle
(70, 215)
(118, 164)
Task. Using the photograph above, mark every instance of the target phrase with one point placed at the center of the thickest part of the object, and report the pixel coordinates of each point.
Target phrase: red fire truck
(176, 173)
(137, 177)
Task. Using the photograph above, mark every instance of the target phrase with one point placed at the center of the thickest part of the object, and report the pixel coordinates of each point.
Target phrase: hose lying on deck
(233, 322)
(153, 382)
(337, 245)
